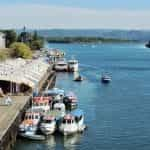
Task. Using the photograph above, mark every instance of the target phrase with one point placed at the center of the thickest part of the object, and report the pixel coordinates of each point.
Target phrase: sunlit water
(118, 114)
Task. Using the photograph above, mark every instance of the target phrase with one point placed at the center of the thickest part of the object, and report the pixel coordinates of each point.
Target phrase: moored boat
(72, 123)
(29, 126)
(42, 102)
(48, 125)
(61, 65)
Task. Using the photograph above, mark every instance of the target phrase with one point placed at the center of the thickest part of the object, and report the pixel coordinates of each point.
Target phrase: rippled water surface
(118, 114)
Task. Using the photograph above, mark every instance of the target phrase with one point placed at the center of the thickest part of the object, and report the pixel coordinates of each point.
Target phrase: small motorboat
(48, 125)
(70, 100)
(147, 44)
(72, 123)
(78, 78)
(105, 79)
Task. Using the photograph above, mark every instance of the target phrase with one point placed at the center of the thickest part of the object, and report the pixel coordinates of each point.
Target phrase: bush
(36, 45)
(2, 56)
(21, 50)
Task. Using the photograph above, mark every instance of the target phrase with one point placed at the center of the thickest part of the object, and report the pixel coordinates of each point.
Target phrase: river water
(117, 114)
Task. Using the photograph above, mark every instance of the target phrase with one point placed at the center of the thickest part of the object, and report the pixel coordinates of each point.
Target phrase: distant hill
(113, 34)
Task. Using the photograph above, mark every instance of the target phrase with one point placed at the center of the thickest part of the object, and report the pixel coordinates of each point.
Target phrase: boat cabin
(59, 107)
(78, 114)
(41, 102)
(32, 117)
(54, 92)
(68, 119)
(48, 119)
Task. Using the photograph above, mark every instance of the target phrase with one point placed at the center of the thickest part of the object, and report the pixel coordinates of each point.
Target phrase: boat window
(36, 117)
(72, 63)
(64, 121)
(61, 64)
(29, 117)
(32, 116)
(69, 121)
(47, 121)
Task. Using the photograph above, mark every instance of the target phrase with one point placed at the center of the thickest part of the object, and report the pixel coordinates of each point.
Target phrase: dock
(20, 82)
(11, 116)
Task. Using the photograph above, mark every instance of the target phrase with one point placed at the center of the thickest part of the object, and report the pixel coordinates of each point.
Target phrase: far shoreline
(87, 40)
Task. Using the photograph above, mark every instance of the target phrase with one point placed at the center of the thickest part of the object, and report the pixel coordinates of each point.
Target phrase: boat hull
(32, 136)
(47, 129)
(62, 68)
(105, 80)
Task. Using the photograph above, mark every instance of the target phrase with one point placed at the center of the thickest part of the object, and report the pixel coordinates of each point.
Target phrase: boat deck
(10, 112)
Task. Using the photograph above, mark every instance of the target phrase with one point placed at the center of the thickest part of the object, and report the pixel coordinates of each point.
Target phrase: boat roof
(48, 117)
(68, 117)
(34, 110)
(73, 61)
(77, 112)
(54, 91)
(40, 99)
(58, 105)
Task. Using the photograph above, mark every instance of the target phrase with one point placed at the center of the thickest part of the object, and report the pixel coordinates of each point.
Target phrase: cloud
(46, 16)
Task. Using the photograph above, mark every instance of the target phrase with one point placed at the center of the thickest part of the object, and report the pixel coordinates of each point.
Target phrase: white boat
(61, 65)
(60, 107)
(77, 77)
(72, 123)
(29, 125)
(41, 102)
(73, 65)
(48, 125)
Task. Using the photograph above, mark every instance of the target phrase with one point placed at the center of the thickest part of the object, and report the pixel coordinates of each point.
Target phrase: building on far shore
(2, 40)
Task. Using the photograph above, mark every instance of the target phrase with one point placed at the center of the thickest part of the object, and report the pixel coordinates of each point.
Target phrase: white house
(2, 40)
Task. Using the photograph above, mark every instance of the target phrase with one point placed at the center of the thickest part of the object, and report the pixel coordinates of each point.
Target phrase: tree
(25, 37)
(21, 50)
(35, 36)
(37, 42)
(11, 37)
(36, 45)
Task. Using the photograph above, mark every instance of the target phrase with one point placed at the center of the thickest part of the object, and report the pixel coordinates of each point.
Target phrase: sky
(75, 14)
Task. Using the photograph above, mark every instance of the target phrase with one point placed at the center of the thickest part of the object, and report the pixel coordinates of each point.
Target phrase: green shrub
(21, 50)
(2, 56)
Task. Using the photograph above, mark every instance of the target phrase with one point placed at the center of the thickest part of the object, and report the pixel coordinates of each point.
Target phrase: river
(117, 114)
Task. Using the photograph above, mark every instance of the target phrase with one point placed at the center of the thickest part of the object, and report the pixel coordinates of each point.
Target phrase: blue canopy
(54, 92)
(77, 113)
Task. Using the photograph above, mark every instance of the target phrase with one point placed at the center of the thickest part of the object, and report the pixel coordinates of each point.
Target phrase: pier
(20, 82)
(10, 118)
